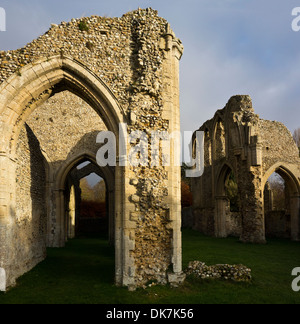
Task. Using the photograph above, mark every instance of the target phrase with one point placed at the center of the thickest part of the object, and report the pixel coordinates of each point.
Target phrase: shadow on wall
(31, 214)
(38, 197)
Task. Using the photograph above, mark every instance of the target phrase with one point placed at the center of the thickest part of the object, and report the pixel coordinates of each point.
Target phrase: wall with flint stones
(127, 70)
(244, 150)
(238, 273)
(31, 215)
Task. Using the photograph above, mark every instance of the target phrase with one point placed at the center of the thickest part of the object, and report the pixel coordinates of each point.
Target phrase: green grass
(82, 273)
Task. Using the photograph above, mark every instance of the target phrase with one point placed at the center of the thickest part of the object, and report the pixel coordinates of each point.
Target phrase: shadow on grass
(83, 273)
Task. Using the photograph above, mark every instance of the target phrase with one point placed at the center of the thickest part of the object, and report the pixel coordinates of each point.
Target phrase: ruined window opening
(277, 206)
(93, 208)
(86, 202)
(220, 149)
(232, 192)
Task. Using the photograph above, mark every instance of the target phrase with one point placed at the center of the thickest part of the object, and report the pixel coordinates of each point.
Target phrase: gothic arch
(293, 186)
(72, 161)
(108, 175)
(31, 75)
(287, 173)
(35, 83)
(222, 201)
(23, 92)
(220, 180)
(219, 139)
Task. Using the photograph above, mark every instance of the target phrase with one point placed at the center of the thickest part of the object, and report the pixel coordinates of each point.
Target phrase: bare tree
(297, 136)
(277, 185)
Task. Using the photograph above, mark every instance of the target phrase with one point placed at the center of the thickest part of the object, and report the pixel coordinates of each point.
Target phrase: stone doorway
(127, 71)
(89, 201)
(281, 205)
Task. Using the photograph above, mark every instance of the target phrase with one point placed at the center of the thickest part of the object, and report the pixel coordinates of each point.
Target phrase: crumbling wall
(65, 125)
(29, 238)
(128, 69)
(252, 149)
(277, 144)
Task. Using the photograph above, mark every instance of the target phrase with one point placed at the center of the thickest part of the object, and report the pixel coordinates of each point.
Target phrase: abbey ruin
(91, 75)
(56, 94)
(233, 197)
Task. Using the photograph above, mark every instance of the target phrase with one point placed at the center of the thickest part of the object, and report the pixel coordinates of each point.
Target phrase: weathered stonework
(30, 212)
(238, 273)
(127, 70)
(66, 127)
(238, 142)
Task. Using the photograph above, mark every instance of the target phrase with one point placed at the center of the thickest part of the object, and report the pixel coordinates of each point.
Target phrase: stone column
(268, 198)
(174, 51)
(220, 216)
(295, 218)
(7, 215)
(252, 207)
(59, 237)
(72, 213)
(110, 205)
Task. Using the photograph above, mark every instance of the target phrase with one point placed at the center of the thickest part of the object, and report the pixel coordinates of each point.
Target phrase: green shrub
(83, 26)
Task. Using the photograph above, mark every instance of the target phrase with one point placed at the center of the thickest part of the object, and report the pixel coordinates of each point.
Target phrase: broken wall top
(244, 128)
(126, 53)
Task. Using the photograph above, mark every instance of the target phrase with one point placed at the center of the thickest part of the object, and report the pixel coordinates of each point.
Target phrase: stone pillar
(7, 215)
(2, 279)
(72, 213)
(220, 216)
(252, 207)
(118, 229)
(255, 151)
(110, 205)
(173, 53)
(59, 237)
(268, 198)
(295, 218)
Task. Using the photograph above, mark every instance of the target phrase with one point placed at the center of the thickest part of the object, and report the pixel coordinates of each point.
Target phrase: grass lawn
(82, 273)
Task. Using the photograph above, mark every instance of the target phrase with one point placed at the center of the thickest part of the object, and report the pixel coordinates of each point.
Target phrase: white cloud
(255, 53)
(231, 47)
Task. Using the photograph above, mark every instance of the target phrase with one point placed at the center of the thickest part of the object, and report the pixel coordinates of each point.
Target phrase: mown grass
(82, 273)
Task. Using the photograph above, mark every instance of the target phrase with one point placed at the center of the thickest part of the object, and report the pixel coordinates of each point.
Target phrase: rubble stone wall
(127, 70)
(29, 236)
(252, 149)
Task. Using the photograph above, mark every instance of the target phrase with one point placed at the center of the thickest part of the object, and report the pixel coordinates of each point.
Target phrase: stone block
(2, 279)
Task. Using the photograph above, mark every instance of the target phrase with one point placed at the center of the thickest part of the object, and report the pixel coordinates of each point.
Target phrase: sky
(231, 47)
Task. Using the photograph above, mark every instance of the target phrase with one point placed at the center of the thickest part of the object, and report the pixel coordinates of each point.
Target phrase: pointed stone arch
(143, 94)
(108, 175)
(23, 92)
(35, 83)
(222, 201)
(255, 149)
(219, 138)
(288, 173)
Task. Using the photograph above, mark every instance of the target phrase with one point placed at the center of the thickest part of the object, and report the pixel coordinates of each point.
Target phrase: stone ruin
(56, 94)
(91, 75)
(237, 272)
(233, 197)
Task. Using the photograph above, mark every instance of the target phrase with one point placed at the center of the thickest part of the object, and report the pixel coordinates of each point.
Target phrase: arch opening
(87, 202)
(32, 111)
(281, 205)
(219, 140)
(227, 210)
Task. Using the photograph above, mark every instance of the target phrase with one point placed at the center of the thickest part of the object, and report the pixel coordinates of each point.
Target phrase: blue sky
(231, 47)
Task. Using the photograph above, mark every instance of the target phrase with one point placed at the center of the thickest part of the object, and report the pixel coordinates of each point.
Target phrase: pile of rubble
(239, 273)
